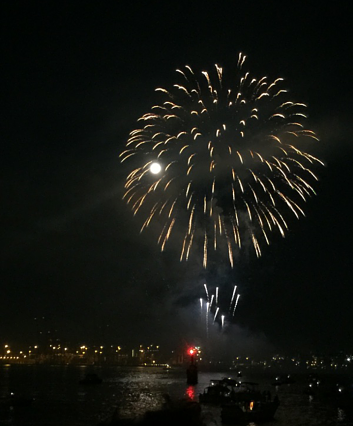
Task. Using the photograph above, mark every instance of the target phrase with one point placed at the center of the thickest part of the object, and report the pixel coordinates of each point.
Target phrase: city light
(153, 356)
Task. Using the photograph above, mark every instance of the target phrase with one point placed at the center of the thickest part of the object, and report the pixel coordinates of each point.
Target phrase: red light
(191, 351)
(190, 392)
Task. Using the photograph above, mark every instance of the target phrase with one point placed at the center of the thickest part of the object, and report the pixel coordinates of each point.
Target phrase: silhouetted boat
(279, 381)
(215, 394)
(247, 391)
(341, 395)
(249, 411)
(227, 381)
(229, 390)
(310, 390)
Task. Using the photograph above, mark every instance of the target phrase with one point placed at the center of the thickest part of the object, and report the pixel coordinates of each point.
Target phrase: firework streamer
(206, 290)
(236, 304)
(207, 315)
(222, 157)
(232, 299)
(215, 315)
(201, 305)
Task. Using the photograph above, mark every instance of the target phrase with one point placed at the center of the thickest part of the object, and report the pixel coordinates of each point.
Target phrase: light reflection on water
(190, 392)
(60, 400)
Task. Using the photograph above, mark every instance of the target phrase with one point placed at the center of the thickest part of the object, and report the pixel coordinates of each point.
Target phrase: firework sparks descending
(207, 315)
(222, 158)
(232, 299)
(213, 307)
(215, 315)
(236, 304)
(206, 290)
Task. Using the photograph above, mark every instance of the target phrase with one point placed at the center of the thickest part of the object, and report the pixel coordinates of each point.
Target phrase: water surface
(59, 399)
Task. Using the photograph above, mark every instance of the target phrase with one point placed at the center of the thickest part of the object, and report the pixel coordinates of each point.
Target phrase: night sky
(75, 79)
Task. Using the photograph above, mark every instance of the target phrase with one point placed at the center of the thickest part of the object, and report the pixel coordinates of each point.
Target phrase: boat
(167, 367)
(340, 395)
(216, 393)
(310, 389)
(247, 391)
(219, 391)
(91, 379)
(313, 386)
(257, 410)
(229, 390)
(288, 380)
(228, 381)
(240, 401)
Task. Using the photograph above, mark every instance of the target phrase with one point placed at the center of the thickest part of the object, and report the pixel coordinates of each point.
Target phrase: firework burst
(213, 307)
(223, 158)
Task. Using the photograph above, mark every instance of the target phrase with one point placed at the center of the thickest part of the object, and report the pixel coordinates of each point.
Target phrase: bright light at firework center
(155, 168)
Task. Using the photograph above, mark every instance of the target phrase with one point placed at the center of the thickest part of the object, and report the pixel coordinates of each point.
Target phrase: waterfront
(59, 399)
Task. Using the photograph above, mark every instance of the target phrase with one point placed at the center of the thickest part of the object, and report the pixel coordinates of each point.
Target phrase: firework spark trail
(232, 152)
(212, 306)
(215, 315)
(201, 306)
(233, 295)
(206, 290)
(207, 315)
(236, 304)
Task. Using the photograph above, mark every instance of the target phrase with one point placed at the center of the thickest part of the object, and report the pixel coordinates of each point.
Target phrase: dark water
(59, 399)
